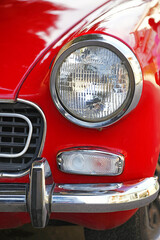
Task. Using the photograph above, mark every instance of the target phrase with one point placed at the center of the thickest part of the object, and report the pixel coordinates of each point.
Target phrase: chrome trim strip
(79, 198)
(43, 197)
(15, 155)
(92, 151)
(7, 101)
(98, 39)
(44, 119)
(14, 175)
(13, 197)
(100, 198)
(24, 173)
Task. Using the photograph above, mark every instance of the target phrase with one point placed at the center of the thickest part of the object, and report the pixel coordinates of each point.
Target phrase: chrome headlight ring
(124, 54)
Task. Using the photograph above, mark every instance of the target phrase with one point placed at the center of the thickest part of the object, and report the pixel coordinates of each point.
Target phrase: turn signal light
(90, 162)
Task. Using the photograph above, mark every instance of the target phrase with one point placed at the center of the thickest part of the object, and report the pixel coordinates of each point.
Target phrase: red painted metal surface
(99, 221)
(28, 29)
(137, 135)
(125, 136)
(12, 220)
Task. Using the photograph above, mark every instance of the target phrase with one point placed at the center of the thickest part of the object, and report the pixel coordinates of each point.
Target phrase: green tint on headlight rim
(82, 118)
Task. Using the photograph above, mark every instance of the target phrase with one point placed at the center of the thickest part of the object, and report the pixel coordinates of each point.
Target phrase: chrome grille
(21, 133)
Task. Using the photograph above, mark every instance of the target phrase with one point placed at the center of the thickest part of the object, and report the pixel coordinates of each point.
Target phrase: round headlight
(94, 82)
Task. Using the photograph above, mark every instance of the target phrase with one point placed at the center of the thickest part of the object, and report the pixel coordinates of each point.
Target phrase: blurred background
(55, 230)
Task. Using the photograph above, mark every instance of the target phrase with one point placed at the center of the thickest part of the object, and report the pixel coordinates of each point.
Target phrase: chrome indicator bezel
(91, 150)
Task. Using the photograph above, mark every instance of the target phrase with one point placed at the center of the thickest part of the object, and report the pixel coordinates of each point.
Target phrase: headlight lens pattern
(92, 83)
(96, 79)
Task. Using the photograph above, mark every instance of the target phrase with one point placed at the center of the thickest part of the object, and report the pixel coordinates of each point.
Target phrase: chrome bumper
(42, 196)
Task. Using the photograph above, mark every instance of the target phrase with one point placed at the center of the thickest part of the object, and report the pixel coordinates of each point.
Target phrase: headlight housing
(95, 80)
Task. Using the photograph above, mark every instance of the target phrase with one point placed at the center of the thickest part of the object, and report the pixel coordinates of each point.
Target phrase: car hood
(27, 29)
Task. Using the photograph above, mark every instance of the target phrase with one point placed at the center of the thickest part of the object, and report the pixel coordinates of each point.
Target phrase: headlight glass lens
(92, 83)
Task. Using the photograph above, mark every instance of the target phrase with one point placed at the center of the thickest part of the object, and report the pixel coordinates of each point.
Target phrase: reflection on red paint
(28, 29)
(156, 49)
(20, 23)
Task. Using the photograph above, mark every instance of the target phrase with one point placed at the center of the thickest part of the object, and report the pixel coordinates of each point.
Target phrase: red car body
(32, 33)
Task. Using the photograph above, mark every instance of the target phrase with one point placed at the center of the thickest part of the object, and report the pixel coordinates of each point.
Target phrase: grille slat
(14, 133)
(13, 124)
(12, 144)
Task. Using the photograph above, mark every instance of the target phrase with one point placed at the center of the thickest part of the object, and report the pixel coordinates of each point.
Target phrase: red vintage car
(80, 115)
